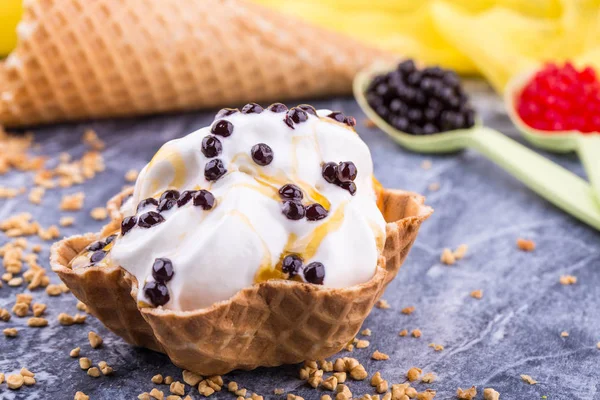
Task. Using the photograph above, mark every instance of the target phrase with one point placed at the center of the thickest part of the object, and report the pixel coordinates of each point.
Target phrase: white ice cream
(243, 239)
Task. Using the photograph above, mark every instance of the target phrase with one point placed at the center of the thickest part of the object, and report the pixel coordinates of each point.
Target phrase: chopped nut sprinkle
(191, 378)
(168, 380)
(383, 304)
(525, 244)
(73, 202)
(568, 280)
(428, 377)
(366, 332)
(95, 340)
(66, 221)
(447, 257)
(157, 394)
(362, 344)
(75, 352)
(15, 381)
(94, 372)
(467, 394)
(20, 309)
(99, 213)
(528, 379)
(477, 294)
(490, 394)
(278, 391)
(131, 175)
(36, 322)
(416, 333)
(53, 290)
(403, 332)
(157, 379)
(413, 374)
(436, 347)
(461, 251)
(564, 334)
(85, 363)
(379, 356)
(90, 138)
(81, 396)
(177, 388)
(408, 310)
(10, 332)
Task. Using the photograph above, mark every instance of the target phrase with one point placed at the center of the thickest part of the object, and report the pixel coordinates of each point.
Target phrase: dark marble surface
(515, 329)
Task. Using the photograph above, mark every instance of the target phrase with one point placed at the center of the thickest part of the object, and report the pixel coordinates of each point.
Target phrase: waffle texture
(107, 58)
(269, 324)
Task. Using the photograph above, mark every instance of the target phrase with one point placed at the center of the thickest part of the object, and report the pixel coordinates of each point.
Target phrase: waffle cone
(268, 324)
(106, 58)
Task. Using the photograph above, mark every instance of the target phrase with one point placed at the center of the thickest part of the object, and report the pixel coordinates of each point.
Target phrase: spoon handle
(551, 181)
(588, 148)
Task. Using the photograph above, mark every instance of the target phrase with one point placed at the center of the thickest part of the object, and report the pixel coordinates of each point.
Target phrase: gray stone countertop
(514, 329)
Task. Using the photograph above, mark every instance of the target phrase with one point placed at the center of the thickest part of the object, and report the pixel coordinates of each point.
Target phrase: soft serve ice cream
(258, 195)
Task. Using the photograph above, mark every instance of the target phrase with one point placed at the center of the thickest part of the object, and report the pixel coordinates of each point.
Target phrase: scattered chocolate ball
(308, 108)
(110, 239)
(185, 197)
(205, 199)
(338, 116)
(146, 202)
(214, 169)
(166, 204)
(315, 212)
(127, 224)
(157, 292)
(262, 154)
(162, 270)
(277, 108)
(314, 273)
(421, 102)
(222, 128)
(168, 194)
(99, 245)
(211, 146)
(225, 112)
(349, 186)
(329, 172)
(149, 219)
(252, 108)
(297, 115)
(291, 192)
(346, 171)
(293, 210)
(97, 256)
(291, 265)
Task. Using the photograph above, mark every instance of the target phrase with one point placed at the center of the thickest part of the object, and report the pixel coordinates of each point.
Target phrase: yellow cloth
(496, 38)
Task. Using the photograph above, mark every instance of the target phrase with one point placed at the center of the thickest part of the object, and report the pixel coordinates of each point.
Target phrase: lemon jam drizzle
(174, 158)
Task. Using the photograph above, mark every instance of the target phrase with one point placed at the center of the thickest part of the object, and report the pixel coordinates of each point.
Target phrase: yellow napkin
(495, 38)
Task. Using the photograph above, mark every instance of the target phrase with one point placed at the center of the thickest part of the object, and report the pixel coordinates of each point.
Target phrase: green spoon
(556, 184)
(587, 146)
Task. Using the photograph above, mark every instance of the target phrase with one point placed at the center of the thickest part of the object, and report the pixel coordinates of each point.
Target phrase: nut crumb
(99, 213)
(528, 379)
(403, 333)
(564, 334)
(15, 381)
(94, 372)
(85, 363)
(95, 339)
(157, 394)
(426, 164)
(366, 332)
(525, 244)
(477, 294)
(168, 380)
(362, 344)
(177, 388)
(461, 251)
(75, 352)
(436, 347)
(157, 379)
(278, 391)
(447, 257)
(433, 186)
(568, 280)
(36, 322)
(131, 175)
(416, 333)
(10, 332)
(408, 310)
(190, 378)
(38, 309)
(383, 304)
(428, 377)
(379, 356)
(53, 290)
(490, 394)
(467, 394)
(81, 306)
(66, 221)
(81, 396)
(72, 202)
(413, 374)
